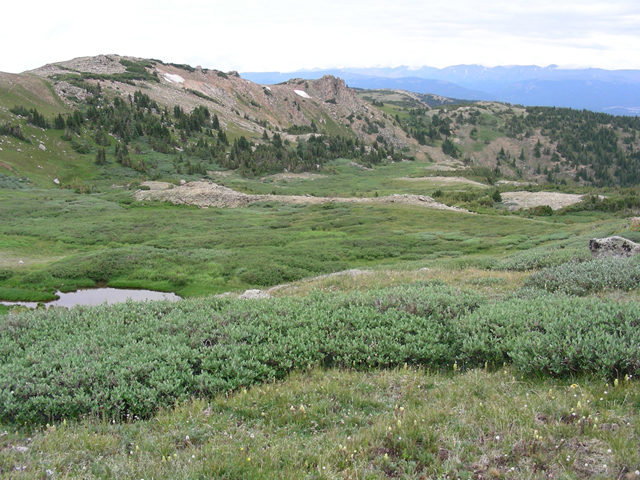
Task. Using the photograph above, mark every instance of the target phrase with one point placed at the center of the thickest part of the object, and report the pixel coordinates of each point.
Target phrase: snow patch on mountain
(302, 93)
(173, 78)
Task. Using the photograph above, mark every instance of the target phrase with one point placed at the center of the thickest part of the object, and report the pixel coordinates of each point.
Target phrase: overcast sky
(286, 35)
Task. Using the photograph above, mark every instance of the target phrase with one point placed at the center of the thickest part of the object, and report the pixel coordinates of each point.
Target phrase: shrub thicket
(542, 257)
(134, 358)
(593, 276)
(556, 335)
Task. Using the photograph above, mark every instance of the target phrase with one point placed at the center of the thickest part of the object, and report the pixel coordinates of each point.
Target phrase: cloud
(287, 34)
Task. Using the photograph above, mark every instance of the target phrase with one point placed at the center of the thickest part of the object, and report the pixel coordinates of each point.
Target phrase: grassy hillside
(151, 127)
(540, 144)
(29, 91)
(22, 162)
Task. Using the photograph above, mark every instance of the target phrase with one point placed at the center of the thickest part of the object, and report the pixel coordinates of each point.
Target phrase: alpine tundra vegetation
(422, 299)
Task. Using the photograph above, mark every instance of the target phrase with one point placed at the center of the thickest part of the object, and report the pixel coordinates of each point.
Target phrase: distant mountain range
(611, 91)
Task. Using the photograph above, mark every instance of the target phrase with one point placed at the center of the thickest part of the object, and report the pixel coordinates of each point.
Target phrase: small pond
(97, 296)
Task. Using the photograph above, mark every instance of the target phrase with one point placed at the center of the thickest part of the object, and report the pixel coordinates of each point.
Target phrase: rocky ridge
(239, 103)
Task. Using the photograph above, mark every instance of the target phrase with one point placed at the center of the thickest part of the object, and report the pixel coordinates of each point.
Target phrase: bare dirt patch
(296, 176)
(442, 168)
(159, 185)
(222, 173)
(514, 183)
(443, 180)
(520, 200)
(208, 194)
(8, 167)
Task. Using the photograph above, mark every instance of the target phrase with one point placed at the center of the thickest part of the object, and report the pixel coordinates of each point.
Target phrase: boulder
(613, 247)
(254, 294)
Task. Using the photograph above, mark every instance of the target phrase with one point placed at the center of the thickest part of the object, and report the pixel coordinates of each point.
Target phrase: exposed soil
(443, 180)
(296, 176)
(514, 183)
(520, 200)
(208, 194)
(8, 167)
(442, 168)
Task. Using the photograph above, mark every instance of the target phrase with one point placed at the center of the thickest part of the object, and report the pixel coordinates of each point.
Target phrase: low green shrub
(427, 238)
(81, 146)
(512, 240)
(586, 277)
(134, 358)
(5, 273)
(556, 335)
(454, 237)
(12, 182)
(541, 211)
(541, 257)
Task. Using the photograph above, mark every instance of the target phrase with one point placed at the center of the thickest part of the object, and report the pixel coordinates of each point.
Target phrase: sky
(287, 35)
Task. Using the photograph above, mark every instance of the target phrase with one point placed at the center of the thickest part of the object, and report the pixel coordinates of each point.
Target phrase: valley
(424, 301)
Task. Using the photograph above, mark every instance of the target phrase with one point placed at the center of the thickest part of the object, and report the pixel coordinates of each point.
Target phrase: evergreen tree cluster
(424, 129)
(603, 143)
(449, 148)
(13, 130)
(309, 155)
(32, 115)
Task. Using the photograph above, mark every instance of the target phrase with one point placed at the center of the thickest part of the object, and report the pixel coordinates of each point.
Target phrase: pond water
(97, 296)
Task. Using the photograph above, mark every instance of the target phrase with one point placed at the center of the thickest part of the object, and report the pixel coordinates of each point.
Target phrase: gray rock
(252, 294)
(613, 247)
(353, 272)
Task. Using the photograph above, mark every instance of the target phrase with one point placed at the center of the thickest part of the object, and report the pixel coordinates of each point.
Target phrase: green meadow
(67, 240)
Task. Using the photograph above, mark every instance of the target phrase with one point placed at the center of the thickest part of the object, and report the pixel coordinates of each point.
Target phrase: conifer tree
(101, 157)
(58, 123)
(536, 150)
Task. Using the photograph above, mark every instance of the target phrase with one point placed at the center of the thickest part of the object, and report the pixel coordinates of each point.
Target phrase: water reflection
(97, 296)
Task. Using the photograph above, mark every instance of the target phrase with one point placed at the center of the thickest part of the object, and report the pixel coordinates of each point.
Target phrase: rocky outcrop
(333, 91)
(613, 247)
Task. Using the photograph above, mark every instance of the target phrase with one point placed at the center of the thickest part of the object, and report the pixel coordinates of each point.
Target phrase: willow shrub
(541, 257)
(587, 277)
(555, 335)
(134, 358)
